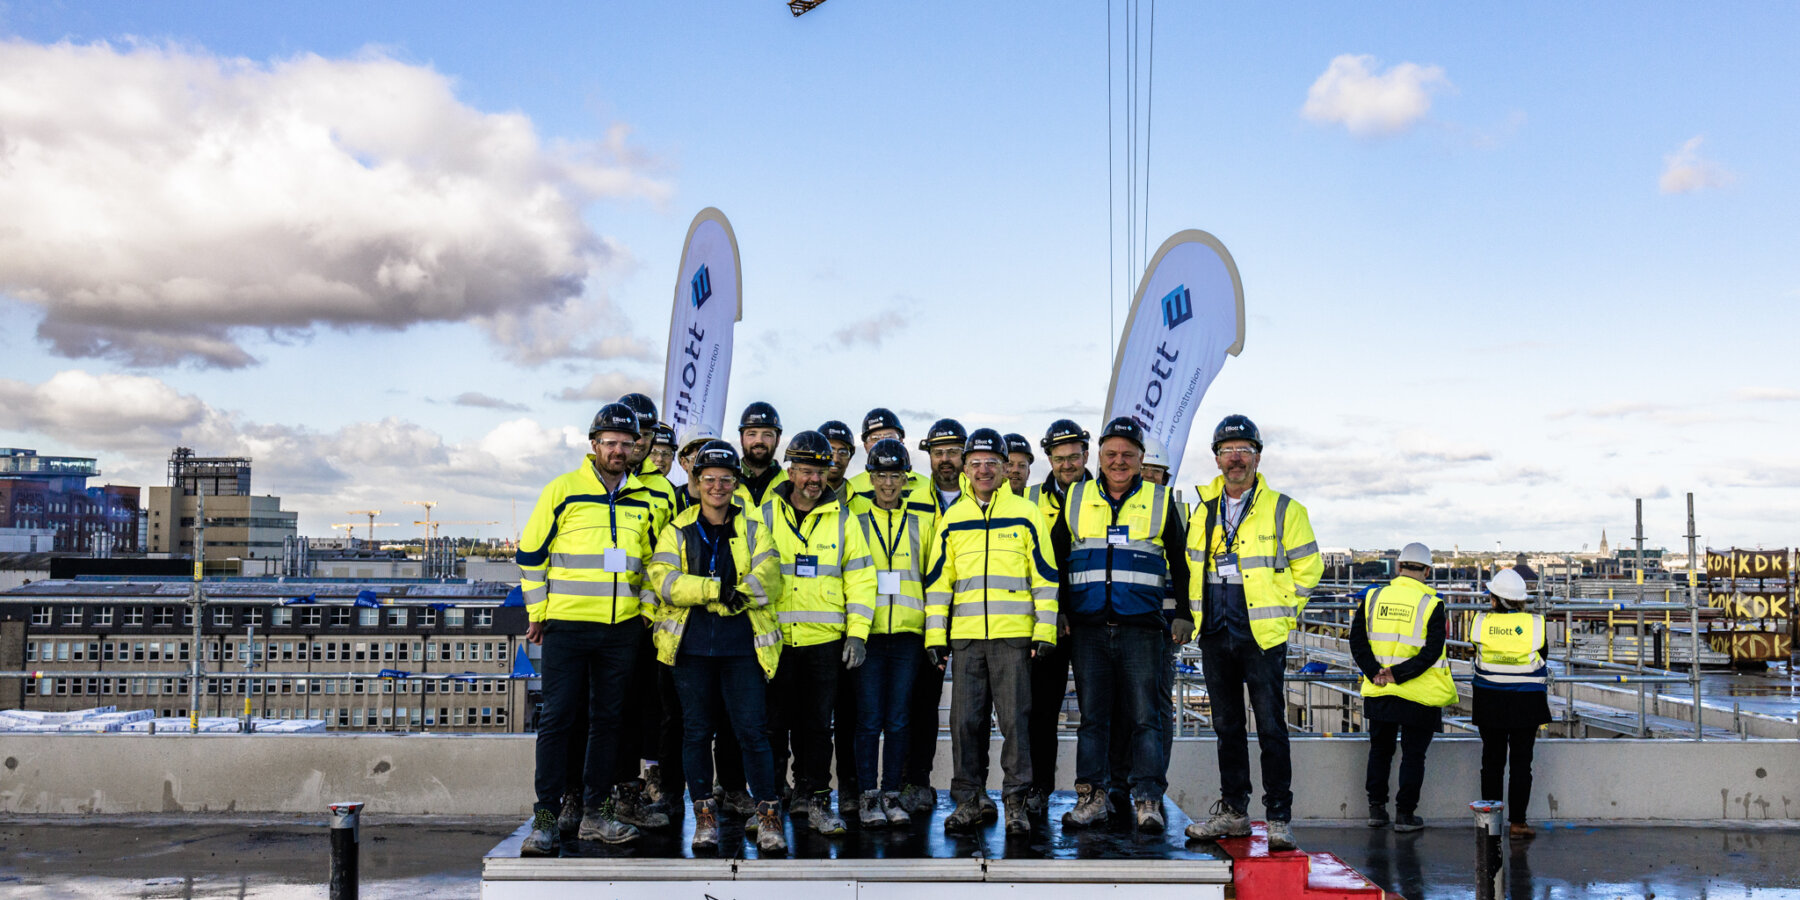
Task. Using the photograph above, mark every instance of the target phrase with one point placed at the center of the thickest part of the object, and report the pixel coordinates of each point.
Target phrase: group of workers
(703, 637)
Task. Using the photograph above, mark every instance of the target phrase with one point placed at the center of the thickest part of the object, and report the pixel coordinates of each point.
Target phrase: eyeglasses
(887, 479)
(1239, 452)
(718, 480)
(982, 465)
(615, 444)
(1065, 459)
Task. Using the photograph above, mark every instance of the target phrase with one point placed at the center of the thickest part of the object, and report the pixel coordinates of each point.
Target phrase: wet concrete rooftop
(180, 856)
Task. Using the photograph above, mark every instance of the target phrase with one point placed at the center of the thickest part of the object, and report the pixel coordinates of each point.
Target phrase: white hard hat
(1154, 453)
(1508, 586)
(698, 433)
(1415, 554)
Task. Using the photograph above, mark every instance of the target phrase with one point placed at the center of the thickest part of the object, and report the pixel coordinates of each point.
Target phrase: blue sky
(1519, 266)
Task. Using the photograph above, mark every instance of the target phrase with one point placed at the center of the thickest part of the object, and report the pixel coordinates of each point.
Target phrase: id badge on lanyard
(614, 560)
(806, 566)
(1118, 535)
(1226, 564)
(887, 581)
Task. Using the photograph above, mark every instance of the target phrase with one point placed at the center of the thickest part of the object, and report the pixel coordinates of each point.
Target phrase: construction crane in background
(428, 504)
(801, 7)
(432, 526)
(371, 513)
(350, 528)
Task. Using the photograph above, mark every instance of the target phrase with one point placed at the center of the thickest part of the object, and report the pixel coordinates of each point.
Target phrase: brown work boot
(706, 824)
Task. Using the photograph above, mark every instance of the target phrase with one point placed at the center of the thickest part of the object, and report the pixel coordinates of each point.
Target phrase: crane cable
(1137, 228)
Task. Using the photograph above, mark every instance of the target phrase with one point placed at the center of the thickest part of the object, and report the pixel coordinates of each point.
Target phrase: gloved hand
(1062, 626)
(1042, 649)
(1181, 631)
(718, 609)
(938, 655)
(855, 651)
(735, 600)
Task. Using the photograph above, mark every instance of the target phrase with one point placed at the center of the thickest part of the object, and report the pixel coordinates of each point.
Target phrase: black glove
(937, 655)
(735, 600)
(1042, 649)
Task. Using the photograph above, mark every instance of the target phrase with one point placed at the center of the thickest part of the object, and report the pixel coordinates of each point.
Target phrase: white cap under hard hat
(1154, 453)
(1415, 554)
(1508, 586)
(698, 433)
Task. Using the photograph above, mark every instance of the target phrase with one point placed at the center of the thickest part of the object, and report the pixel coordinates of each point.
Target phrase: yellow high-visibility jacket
(759, 578)
(836, 599)
(992, 577)
(1395, 616)
(900, 541)
(581, 557)
(1278, 558)
(918, 493)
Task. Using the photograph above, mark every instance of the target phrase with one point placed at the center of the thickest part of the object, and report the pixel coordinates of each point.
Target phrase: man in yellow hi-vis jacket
(991, 598)
(1253, 561)
(581, 567)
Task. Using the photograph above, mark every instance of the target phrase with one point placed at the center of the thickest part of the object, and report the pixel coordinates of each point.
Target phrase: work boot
(869, 812)
(1281, 836)
(570, 819)
(1520, 831)
(1149, 814)
(800, 806)
(822, 818)
(1037, 801)
(918, 799)
(966, 817)
(1090, 807)
(545, 838)
(630, 807)
(1408, 822)
(602, 824)
(1225, 822)
(989, 812)
(1018, 822)
(738, 803)
(891, 808)
(770, 836)
(706, 824)
(1378, 817)
(655, 798)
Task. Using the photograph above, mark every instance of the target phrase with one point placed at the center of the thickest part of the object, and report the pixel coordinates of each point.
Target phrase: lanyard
(612, 496)
(891, 543)
(794, 524)
(712, 550)
(1231, 529)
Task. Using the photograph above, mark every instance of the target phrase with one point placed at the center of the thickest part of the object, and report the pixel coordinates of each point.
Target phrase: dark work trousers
(1119, 779)
(1497, 744)
(922, 721)
(885, 684)
(990, 679)
(843, 729)
(1116, 679)
(1230, 667)
(585, 665)
(1415, 740)
(720, 695)
(643, 711)
(801, 699)
(1049, 686)
(728, 756)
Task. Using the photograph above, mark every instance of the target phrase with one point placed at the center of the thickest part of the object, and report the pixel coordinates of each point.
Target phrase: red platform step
(1259, 874)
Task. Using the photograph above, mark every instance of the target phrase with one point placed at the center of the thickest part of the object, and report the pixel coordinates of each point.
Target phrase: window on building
(427, 618)
(221, 616)
(484, 618)
(71, 617)
(397, 617)
(41, 616)
(311, 617)
(340, 617)
(387, 652)
(134, 616)
(281, 617)
(103, 617)
(253, 615)
(162, 615)
(453, 618)
(368, 618)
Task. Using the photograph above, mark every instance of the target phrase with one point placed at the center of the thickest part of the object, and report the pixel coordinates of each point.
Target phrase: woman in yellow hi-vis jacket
(716, 574)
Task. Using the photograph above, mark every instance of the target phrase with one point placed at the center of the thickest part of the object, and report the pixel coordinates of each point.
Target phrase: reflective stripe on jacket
(1395, 617)
(563, 549)
(753, 555)
(1278, 559)
(991, 578)
(1510, 653)
(1126, 575)
(838, 599)
(899, 541)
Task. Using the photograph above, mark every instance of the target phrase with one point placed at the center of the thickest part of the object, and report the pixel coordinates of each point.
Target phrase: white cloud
(1686, 171)
(607, 387)
(1768, 394)
(1368, 103)
(158, 203)
(479, 400)
(870, 331)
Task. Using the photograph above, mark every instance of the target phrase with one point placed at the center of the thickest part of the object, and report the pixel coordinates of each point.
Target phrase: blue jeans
(722, 695)
(883, 708)
(586, 666)
(1116, 682)
(1230, 667)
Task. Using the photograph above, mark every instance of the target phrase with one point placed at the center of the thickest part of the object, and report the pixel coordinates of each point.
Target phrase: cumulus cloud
(1370, 103)
(478, 400)
(160, 203)
(607, 387)
(1685, 171)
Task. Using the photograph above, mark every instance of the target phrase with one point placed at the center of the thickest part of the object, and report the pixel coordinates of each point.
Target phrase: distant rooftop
(20, 463)
(96, 588)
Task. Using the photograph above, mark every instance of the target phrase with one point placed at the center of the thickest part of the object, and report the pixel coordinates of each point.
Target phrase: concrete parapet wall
(491, 775)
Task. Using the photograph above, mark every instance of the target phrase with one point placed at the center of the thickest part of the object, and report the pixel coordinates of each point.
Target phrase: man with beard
(652, 735)
(944, 442)
(1018, 463)
(759, 430)
(1253, 561)
(843, 449)
(1066, 446)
